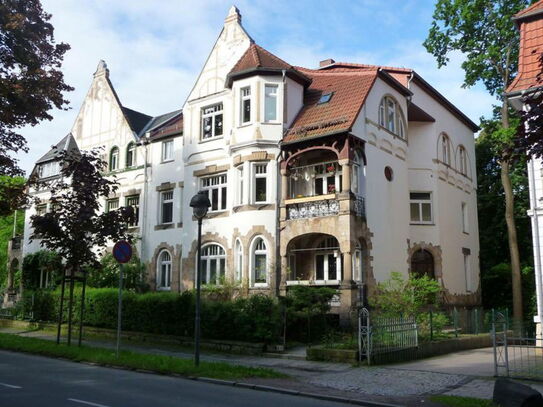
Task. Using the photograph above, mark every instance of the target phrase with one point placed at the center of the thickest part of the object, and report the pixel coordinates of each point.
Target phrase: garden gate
(516, 353)
(381, 336)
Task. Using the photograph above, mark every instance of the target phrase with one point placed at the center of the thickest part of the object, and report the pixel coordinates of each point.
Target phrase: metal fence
(518, 352)
(382, 336)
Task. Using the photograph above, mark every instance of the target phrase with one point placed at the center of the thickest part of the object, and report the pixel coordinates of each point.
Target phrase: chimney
(326, 62)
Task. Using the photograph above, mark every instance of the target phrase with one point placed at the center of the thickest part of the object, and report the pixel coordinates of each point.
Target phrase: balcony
(312, 207)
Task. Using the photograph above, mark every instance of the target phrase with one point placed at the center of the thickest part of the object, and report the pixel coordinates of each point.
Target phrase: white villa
(335, 176)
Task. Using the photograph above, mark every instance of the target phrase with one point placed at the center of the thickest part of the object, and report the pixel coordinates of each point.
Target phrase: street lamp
(199, 204)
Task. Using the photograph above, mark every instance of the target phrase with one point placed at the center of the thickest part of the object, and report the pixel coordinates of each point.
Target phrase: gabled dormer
(48, 166)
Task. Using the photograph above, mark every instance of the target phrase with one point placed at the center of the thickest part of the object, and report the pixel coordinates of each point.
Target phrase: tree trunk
(511, 226)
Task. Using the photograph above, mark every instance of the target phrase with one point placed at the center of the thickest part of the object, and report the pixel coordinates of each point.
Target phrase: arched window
(462, 161)
(164, 275)
(391, 116)
(422, 264)
(130, 155)
(114, 159)
(259, 262)
(213, 266)
(238, 260)
(445, 146)
(358, 175)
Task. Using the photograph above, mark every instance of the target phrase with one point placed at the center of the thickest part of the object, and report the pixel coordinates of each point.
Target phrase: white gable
(233, 41)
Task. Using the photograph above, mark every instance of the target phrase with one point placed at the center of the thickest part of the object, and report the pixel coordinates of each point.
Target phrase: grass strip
(457, 401)
(133, 360)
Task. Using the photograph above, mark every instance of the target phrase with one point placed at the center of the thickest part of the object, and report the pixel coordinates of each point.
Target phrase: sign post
(122, 252)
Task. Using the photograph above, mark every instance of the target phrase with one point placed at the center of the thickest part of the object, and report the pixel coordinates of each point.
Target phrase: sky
(155, 49)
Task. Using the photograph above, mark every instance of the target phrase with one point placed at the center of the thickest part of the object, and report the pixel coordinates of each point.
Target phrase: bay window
(270, 103)
(260, 182)
(245, 105)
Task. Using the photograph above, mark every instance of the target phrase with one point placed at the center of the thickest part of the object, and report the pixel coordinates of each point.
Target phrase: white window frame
(213, 111)
(49, 169)
(114, 153)
(274, 94)
(129, 202)
(164, 199)
(41, 209)
(238, 261)
(244, 95)
(325, 252)
(167, 153)
(420, 202)
(389, 108)
(112, 204)
(131, 149)
(206, 260)
(240, 173)
(257, 174)
(164, 280)
(256, 251)
(338, 174)
(216, 182)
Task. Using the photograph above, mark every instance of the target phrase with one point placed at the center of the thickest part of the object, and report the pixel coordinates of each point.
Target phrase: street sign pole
(122, 252)
(120, 308)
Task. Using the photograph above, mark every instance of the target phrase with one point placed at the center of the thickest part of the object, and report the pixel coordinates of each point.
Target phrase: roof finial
(233, 15)
(101, 69)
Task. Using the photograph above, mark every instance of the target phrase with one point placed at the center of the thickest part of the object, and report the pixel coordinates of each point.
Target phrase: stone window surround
(176, 253)
(165, 186)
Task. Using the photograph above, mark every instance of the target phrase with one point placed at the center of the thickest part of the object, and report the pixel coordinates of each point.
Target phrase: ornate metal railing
(313, 209)
(360, 206)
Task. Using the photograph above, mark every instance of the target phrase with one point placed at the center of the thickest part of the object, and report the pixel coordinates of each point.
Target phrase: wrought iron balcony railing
(313, 209)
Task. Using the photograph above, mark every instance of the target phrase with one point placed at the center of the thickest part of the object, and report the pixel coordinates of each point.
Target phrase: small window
(114, 159)
(421, 207)
(240, 185)
(167, 150)
(389, 173)
(463, 161)
(134, 202)
(391, 116)
(259, 271)
(212, 123)
(131, 155)
(216, 190)
(445, 149)
(112, 205)
(467, 269)
(245, 107)
(164, 275)
(213, 265)
(260, 182)
(270, 103)
(166, 207)
(465, 224)
(325, 98)
(41, 210)
(238, 260)
(49, 169)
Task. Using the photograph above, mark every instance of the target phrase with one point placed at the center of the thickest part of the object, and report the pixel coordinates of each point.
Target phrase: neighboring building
(529, 82)
(332, 176)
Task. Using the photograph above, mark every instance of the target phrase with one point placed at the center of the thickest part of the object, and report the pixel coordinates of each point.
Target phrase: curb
(293, 392)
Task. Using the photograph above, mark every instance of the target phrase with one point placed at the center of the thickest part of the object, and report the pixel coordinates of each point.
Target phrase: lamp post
(199, 204)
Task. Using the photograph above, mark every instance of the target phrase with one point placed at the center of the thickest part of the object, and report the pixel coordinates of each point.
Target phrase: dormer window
(245, 106)
(114, 159)
(325, 98)
(391, 116)
(212, 123)
(49, 169)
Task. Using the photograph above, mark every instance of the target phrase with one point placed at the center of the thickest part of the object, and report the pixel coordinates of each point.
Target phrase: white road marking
(88, 403)
(11, 386)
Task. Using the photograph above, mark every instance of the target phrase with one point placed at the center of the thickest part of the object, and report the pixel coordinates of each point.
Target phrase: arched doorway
(422, 264)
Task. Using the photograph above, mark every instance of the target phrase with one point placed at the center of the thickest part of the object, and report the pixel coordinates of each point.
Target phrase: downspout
(278, 198)
(537, 249)
(145, 143)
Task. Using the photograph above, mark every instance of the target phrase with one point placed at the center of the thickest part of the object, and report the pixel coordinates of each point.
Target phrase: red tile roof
(530, 68)
(257, 59)
(531, 10)
(349, 91)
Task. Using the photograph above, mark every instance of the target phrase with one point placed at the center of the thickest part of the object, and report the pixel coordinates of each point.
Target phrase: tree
(31, 82)
(12, 194)
(75, 228)
(484, 32)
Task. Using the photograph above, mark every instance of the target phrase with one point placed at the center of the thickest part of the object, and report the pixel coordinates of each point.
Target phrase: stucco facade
(310, 183)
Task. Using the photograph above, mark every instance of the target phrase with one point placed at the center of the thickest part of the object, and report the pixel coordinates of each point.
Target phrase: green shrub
(107, 275)
(34, 263)
(253, 319)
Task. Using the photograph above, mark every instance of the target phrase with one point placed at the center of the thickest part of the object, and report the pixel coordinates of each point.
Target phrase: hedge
(253, 319)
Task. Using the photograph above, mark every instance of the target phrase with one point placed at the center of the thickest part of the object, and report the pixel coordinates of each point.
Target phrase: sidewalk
(467, 373)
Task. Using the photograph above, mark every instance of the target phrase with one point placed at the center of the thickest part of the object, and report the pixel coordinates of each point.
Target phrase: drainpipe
(145, 143)
(277, 220)
(537, 249)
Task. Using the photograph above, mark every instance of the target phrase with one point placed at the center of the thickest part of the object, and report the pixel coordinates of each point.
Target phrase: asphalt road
(30, 381)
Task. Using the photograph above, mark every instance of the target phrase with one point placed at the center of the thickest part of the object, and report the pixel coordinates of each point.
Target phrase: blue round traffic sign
(122, 251)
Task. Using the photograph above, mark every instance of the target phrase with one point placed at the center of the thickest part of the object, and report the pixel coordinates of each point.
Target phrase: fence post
(494, 344)
(431, 326)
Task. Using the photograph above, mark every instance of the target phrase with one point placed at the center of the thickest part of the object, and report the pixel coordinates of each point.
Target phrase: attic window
(325, 98)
